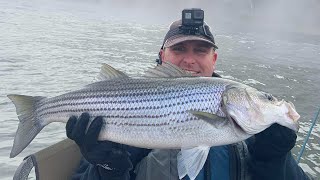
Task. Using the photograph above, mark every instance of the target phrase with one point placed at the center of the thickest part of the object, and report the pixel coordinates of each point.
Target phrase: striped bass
(166, 109)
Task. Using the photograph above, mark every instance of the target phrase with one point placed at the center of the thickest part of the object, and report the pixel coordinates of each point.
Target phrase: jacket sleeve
(283, 168)
(293, 170)
(87, 171)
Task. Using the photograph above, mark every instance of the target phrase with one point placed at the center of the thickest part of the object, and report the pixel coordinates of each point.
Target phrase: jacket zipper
(235, 164)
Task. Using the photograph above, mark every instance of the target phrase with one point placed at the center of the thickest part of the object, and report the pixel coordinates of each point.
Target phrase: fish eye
(269, 97)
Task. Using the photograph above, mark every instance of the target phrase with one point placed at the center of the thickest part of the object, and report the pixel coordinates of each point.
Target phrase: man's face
(197, 57)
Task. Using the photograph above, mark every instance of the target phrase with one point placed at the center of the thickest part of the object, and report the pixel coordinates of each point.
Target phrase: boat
(57, 161)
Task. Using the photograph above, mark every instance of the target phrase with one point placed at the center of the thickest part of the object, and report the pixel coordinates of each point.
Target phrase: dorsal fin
(166, 70)
(107, 72)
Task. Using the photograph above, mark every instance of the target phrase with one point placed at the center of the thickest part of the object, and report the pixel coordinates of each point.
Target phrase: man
(265, 156)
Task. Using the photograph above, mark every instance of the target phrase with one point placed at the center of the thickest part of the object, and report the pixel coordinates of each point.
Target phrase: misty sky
(276, 15)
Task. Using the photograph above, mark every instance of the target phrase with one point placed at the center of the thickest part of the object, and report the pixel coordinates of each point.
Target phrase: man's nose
(189, 59)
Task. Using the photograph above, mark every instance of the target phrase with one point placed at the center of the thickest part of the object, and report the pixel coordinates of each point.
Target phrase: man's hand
(274, 142)
(110, 157)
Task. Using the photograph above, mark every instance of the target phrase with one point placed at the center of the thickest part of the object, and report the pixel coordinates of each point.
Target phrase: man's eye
(201, 50)
(178, 49)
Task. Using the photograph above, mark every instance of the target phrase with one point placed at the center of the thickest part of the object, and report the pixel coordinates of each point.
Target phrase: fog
(294, 19)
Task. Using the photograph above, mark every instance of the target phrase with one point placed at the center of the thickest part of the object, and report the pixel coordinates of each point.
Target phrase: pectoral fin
(191, 161)
(210, 118)
(206, 116)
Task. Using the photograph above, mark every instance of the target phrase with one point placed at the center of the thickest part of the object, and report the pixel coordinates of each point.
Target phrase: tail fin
(29, 125)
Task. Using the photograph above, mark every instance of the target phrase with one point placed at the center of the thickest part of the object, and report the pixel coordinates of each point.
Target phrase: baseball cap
(175, 36)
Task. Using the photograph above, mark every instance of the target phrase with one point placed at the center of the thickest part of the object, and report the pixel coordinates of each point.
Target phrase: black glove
(271, 157)
(274, 142)
(111, 158)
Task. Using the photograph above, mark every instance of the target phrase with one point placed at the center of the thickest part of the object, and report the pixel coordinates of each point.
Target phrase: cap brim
(181, 38)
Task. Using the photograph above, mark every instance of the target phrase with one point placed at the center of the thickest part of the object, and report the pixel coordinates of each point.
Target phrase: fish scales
(95, 97)
(114, 88)
(152, 107)
(107, 96)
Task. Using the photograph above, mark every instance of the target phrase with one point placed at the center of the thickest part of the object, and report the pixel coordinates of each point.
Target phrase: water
(52, 47)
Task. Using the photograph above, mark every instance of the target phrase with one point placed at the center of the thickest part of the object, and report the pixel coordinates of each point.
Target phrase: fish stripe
(94, 102)
(114, 91)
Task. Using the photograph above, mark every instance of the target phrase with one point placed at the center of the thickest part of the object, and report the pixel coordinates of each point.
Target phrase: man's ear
(214, 59)
(161, 54)
(215, 56)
